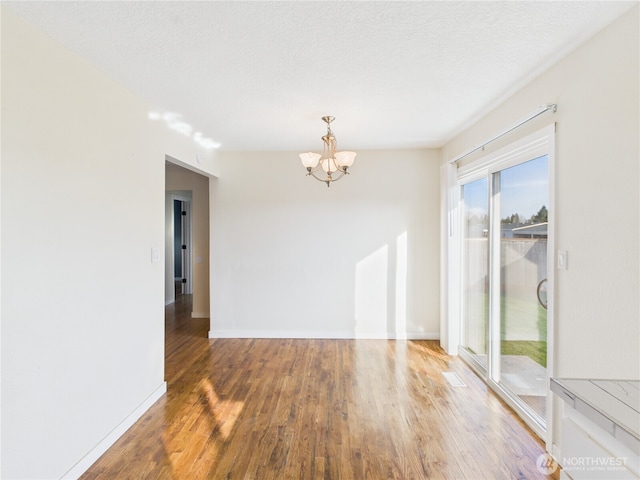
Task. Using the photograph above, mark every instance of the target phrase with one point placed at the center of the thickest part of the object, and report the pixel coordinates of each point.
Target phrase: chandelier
(334, 164)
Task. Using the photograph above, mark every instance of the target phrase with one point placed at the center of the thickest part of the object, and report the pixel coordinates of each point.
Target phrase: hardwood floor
(332, 409)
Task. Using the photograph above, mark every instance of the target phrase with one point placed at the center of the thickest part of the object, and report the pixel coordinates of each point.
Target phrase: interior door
(186, 246)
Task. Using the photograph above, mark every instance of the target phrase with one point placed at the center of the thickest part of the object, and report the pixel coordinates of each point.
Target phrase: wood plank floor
(317, 409)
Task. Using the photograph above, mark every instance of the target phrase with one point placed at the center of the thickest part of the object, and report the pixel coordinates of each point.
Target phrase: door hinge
(184, 247)
(184, 280)
(184, 212)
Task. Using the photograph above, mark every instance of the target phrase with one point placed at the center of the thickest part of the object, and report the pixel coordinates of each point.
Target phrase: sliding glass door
(520, 199)
(475, 278)
(505, 205)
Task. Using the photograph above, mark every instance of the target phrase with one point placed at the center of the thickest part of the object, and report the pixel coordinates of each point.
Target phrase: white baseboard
(347, 335)
(423, 336)
(96, 452)
(199, 315)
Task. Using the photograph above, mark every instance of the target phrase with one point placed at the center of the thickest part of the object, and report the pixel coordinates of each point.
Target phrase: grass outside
(523, 327)
(516, 316)
(535, 350)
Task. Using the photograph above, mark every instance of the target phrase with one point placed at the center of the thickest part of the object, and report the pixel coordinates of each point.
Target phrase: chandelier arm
(331, 179)
(315, 169)
(341, 174)
(317, 177)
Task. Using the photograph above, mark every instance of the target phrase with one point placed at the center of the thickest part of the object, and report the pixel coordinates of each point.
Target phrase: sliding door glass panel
(475, 292)
(521, 200)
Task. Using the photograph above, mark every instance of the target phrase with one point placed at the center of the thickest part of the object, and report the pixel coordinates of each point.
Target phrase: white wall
(293, 258)
(82, 195)
(597, 201)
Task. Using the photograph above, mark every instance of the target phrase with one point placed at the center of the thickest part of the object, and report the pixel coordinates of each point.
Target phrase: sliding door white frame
(538, 144)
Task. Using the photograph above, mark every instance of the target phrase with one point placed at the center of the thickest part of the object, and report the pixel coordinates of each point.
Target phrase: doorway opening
(187, 237)
(179, 261)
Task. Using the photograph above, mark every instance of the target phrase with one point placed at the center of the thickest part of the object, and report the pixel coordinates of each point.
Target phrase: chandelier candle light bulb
(330, 161)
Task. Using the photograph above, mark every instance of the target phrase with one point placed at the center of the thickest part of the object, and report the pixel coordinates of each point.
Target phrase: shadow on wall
(381, 292)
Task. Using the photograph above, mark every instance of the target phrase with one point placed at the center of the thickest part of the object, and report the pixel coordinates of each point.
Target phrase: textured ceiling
(259, 75)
